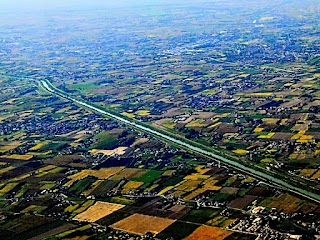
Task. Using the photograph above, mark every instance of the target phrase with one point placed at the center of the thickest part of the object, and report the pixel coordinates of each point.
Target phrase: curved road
(236, 165)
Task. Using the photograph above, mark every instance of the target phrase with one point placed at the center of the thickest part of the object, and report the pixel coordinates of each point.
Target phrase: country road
(197, 149)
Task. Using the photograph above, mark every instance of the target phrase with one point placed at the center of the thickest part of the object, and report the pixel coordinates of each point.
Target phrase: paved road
(261, 175)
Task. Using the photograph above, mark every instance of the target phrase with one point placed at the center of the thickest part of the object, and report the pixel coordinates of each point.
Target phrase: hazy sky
(46, 4)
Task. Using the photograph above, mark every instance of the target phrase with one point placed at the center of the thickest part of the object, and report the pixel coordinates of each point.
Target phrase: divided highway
(236, 165)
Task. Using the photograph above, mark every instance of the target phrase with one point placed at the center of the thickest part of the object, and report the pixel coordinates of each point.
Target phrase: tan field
(7, 148)
(118, 151)
(316, 175)
(141, 224)
(284, 202)
(188, 186)
(128, 173)
(98, 211)
(140, 141)
(19, 157)
(102, 173)
(209, 233)
(131, 185)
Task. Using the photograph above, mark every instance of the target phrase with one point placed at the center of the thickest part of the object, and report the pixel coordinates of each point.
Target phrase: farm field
(141, 224)
(208, 233)
(98, 211)
(239, 79)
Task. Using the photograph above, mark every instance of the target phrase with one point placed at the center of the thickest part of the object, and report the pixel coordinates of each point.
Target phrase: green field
(148, 177)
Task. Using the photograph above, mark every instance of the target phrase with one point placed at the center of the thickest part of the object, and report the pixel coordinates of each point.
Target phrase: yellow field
(197, 123)
(316, 175)
(45, 169)
(7, 148)
(196, 177)
(258, 130)
(284, 202)
(152, 187)
(244, 75)
(307, 138)
(39, 145)
(48, 169)
(208, 185)
(307, 172)
(240, 151)
(102, 173)
(98, 211)
(63, 110)
(47, 186)
(269, 135)
(215, 125)
(168, 173)
(201, 169)
(141, 224)
(270, 120)
(220, 221)
(188, 186)
(143, 113)
(85, 237)
(40, 153)
(194, 194)
(166, 189)
(19, 157)
(283, 121)
(169, 124)
(7, 188)
(266, 94)
(223, 115)
(299, 156)
(302, 128)
(10, 146)
(208, 233)
(71, 208)
(210, 182)
(126, 114)
(10, 101)
(131, 185)
(177, 194)
(32, 208)
(20, 177)
(118, 151)
(248, 180)
(7, 169)
(209, 92)
(5, 117)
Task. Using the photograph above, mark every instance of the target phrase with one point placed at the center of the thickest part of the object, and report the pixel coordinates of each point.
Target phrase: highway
(236, 165)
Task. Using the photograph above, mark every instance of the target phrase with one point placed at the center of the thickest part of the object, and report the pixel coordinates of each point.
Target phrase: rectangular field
(209, 233)
(98, 211)
(19, 157)
(102, 174)
(141, 224)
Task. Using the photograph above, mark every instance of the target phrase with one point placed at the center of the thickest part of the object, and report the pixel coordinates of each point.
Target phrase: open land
(239, 78)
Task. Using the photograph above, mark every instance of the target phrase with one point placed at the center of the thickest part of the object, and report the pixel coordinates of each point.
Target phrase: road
(236, 165)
